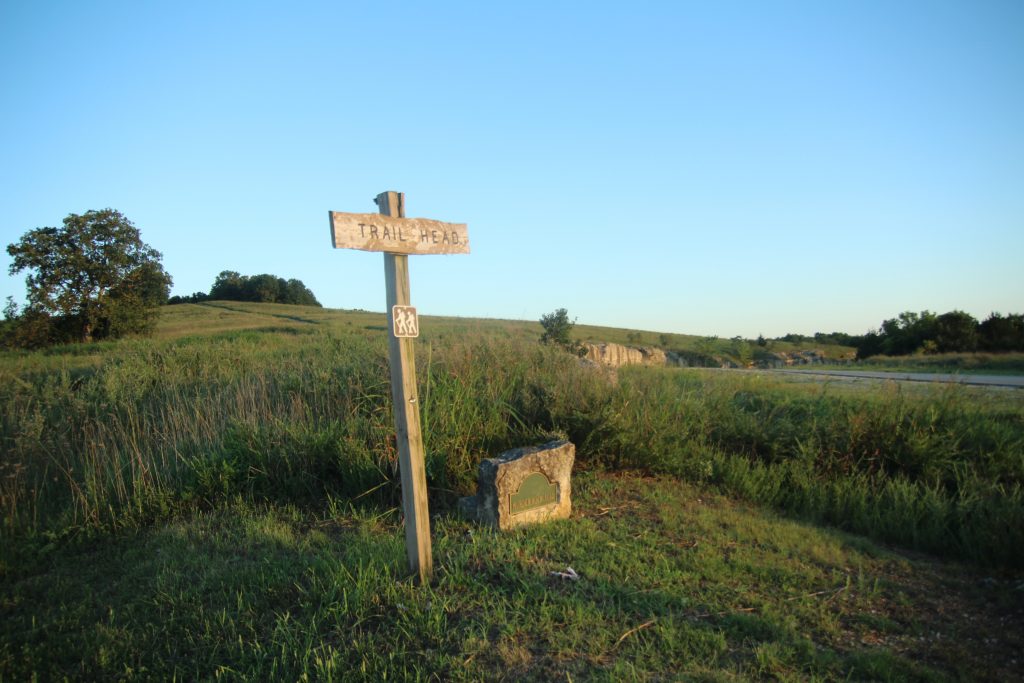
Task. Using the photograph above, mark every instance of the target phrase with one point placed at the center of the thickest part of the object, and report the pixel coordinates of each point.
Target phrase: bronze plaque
(535, 492)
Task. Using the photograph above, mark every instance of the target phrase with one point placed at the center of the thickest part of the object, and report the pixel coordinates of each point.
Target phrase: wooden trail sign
(397, 236)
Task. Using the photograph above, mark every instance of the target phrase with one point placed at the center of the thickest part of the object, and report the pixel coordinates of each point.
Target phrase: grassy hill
(222, 316)
(221, 501)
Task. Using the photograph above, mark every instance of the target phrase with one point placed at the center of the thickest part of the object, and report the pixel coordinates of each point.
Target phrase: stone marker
(523, 486)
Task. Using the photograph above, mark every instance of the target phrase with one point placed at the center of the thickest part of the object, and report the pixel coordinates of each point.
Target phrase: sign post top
(391, 203)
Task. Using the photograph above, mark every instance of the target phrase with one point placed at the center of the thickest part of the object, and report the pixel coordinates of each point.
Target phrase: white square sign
(404, 322)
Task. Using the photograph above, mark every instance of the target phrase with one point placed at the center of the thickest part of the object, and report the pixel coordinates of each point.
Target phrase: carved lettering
(398, 235)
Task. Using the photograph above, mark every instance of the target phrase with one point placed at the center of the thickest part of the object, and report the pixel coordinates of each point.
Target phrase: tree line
(837, 338)
(264, 288)
(94, 278)
(926, 332)
(952, 332)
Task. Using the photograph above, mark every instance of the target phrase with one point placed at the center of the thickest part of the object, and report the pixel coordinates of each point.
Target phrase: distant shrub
(195, 298)
(558, 331)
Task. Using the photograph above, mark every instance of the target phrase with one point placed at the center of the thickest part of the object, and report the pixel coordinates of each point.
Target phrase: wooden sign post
(398, 236)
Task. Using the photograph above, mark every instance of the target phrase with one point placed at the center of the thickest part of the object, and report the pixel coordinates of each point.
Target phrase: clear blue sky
(728, 168)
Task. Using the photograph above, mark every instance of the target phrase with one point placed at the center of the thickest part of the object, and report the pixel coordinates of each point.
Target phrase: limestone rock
(613, 355)
(653, 356)
(781, 359)
(617, 355)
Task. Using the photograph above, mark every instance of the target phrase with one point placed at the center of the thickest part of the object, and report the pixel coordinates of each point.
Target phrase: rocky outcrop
(782, 359)
(613, 355)
(617, 355)
(654, 356)
(696, 359)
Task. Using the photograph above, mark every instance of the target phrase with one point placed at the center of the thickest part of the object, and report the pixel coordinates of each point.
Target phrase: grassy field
(229, 315)
(675, 583)
(219, 501)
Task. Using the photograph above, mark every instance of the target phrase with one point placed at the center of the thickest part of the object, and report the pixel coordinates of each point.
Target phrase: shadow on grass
(673, 580)
(283, 316)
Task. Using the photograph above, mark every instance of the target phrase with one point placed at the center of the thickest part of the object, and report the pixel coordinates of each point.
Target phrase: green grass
(122, 434)
(675, 582)
(223, 316)
(220, 501)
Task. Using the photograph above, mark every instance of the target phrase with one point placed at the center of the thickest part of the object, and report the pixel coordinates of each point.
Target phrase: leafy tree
(707, 345)
(92, 278)
(956, 331)
(9, 323)
(1002, 333)
(228, 286)
(839, 338)
(558, 330)
(741, 349)
(871, 344)
(297, 293)
(194, 298)
(31, 329)
(907, 333)
(232, 286)
(265, 288)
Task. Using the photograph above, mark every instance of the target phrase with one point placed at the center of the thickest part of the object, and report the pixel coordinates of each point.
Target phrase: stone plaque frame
(523, 486)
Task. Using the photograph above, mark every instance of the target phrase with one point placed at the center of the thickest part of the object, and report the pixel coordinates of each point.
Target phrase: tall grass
(138, 430)
(159, 424)
(940, 470)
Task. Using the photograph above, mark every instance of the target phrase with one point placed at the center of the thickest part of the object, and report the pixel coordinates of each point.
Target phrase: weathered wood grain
(397, 235)
(411, 458)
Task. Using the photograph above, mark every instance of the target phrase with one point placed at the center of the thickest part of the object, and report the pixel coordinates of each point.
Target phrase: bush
(558, 331)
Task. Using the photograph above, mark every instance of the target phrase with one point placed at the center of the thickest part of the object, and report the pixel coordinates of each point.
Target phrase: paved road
(1014, 381)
